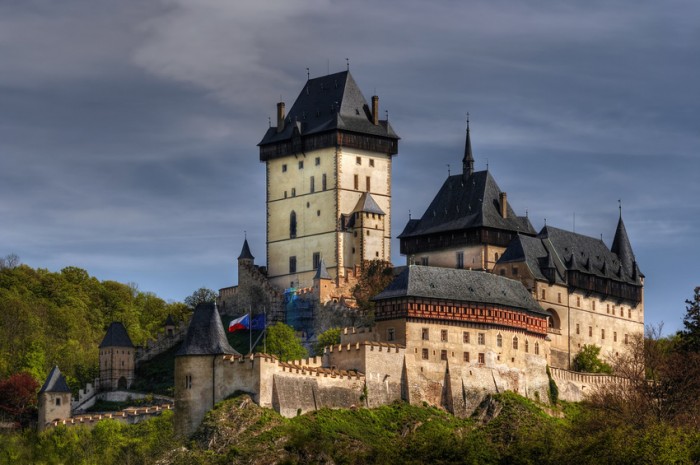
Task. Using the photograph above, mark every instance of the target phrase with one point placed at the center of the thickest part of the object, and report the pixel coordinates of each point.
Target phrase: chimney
(280, 117)
(375, 110)
(504, 204)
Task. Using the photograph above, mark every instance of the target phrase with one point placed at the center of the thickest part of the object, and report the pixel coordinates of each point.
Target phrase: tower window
(371, 162)
(316, 259)
(58, 401)
(482, 358)
(358, 160)
(425, 334)
(499, 341)
(301, 164)
(443, 355)
(466, 357)
(424, 354)
(460, 260)
(318, 161)
(443, 335)
(465, 338)
(367, 182)
(424, 261)
(284, 168)
(292, 225)
(357, 182)
(312, 187)
(481, 338)
(294, 192)
(390, 334)
(293, 264)
(323, 182)
(590, 331)
(515, 342)
(537, 348)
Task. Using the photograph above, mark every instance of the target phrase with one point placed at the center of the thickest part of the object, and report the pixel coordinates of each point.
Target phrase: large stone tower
(117, 354)
(330, 151)
(54, 399)
(197, 363)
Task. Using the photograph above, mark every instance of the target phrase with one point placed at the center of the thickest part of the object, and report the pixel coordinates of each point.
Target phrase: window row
(356, 183)
(315, 259)
(312, 186)
(481, 339)
(425, 355)
(610, 310)
(300, 164)
(358, 161)
(602, 333)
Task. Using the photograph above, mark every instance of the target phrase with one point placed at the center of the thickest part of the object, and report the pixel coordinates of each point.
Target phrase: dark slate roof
(55, 382)
(322, 271)
(245, 252)
(565, 250)
(205, 335)
(116, 336)
(367, 204)
(464, 204)
(623, 249)
(328, 103)
(169, 321)
(460, 285)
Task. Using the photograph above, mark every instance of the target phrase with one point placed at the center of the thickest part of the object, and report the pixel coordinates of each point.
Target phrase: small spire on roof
(308, 76)
(619, 204)
(468, 160)
(347, 63)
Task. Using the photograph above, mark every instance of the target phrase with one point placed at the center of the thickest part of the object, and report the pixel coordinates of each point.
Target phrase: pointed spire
(245, 252)
(205, 335)
(468, 160)
(322, 271)
(55, 382)
(622, 248)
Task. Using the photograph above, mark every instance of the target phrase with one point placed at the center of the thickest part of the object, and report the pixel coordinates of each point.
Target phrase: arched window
(553, 321)
(527, 346)
(515, 342)
(499, 340)
(537, 348)
(292, 225)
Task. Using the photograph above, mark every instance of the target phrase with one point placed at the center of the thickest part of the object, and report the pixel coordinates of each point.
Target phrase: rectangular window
(367, 183)
(482, 338)
(424, 261)
(602, 334)
(357, 182)
(465, 337)
(578, 301)
(425, 354)
(316, 259)
(312, 186)
(607, 309)
(284, 168)
(443, 355)
(292, 264)
(515, 271)
(390, 334)
(626, 339)
(543, 294)
(466, 357)
(358, 160)
(460, 260)
(294, 192)
(578, 329)
(590, 331)
(614, 336)
(443, 335)
(559, 297)
(425, 334)
(318, 161)
(482, 358)
(323, 182)
(593, 305)
(371, 162)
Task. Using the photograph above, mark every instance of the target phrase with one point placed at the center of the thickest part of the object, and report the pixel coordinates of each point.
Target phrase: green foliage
(49, 318)
(690, 336)
(201, 295)
(588, 360)
(329, 337)
(376, 275)
(284, 343)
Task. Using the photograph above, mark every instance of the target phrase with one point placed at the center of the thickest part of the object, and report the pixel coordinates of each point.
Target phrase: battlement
(320, 371)
(361, 345)
(128, 415)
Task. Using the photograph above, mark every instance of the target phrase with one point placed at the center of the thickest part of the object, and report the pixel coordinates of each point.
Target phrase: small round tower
(54, 399)
(117, 354)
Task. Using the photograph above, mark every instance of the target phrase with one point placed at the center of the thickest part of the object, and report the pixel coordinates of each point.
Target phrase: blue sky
(128, 130)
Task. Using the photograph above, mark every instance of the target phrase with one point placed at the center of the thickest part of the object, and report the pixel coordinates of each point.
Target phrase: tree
(588, 361)
(9, 261)
(329, 337)
(18, 395)
(376, 275)
(284, 343)
(201, 295)
(690, 336)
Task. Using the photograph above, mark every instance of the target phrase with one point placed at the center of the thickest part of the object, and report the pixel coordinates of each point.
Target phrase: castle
(484, 304)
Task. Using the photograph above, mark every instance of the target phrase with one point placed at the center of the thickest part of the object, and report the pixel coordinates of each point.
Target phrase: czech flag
(239, 323)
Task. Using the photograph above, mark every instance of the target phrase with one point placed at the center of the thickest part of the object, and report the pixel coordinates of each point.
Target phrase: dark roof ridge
(205, 335)
(55, 382)
(116, 336)
(245, 251)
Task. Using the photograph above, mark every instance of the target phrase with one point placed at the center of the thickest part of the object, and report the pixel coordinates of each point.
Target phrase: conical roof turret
(245, 252)
(322, 271)
(55, 382)
(623, 249)
(205, 335)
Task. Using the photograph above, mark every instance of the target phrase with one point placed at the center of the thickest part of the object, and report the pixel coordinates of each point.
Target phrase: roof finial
(448, 170)
(545, 221)
(269, 121)
(245, 235)
(619, 204)
(347, 63)
(409, 213)
(308, 75)
(386, 112)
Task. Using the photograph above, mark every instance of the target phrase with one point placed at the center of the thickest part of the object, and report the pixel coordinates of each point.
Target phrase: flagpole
(250, 329)
(265, 330)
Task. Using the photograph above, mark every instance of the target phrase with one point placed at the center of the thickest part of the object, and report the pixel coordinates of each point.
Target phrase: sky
(128, 129)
